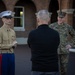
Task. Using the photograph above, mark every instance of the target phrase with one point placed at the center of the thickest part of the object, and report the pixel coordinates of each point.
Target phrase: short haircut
(43, 14)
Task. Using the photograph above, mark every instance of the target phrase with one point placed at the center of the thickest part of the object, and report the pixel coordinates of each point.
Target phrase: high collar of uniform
(6, 28)
(42, 25)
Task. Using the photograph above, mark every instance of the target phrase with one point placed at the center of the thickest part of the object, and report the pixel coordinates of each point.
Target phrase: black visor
(8, 17)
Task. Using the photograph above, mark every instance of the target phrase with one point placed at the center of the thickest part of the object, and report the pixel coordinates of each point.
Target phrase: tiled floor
(22, 59)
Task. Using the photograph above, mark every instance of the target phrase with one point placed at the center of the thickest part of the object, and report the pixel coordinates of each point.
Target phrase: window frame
(23, 27)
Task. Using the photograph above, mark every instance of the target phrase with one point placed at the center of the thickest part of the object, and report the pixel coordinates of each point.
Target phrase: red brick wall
(30, 9)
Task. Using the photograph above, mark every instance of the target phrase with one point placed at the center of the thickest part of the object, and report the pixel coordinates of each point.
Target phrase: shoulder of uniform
(12, 30)
(1, 29)
(68, 25)
(53, 24)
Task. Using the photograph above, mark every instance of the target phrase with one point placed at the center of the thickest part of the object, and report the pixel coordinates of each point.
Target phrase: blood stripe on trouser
(0, 64)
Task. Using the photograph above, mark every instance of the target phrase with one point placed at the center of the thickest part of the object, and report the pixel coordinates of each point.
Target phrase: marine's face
(7, 21)
(61, 20)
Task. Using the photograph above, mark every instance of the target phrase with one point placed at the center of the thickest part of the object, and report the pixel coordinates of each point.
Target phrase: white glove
(14, 44)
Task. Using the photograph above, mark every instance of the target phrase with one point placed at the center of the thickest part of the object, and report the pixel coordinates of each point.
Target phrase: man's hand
(14, 44)
(68, 47)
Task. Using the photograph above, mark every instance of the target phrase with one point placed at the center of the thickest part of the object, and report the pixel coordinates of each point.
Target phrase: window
(19, 18)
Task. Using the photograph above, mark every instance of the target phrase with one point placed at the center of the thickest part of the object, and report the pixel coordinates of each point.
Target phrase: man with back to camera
(43, 42)
(7, 44)
(65, 31)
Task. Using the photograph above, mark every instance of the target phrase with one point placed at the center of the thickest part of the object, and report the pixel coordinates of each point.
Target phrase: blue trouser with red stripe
(8, 64)
(0, 64)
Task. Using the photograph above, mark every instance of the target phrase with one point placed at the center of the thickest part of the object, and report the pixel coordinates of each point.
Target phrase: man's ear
(37, 19)
(49, 19)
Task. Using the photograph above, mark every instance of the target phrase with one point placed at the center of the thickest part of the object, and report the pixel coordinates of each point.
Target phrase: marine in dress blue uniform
(7, 44)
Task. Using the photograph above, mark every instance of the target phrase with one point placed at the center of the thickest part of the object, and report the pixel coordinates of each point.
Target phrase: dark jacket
(44, 42)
